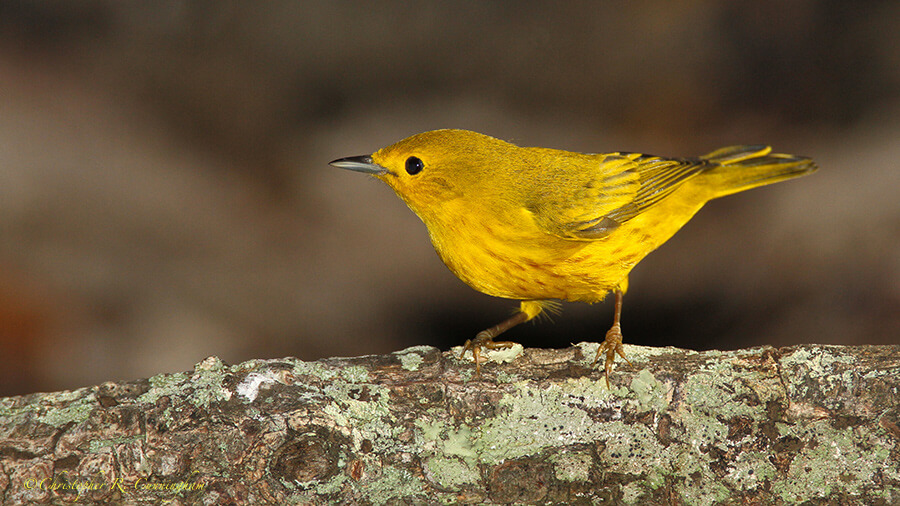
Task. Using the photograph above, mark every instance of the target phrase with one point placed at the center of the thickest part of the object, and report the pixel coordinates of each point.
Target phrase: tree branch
(762, 425)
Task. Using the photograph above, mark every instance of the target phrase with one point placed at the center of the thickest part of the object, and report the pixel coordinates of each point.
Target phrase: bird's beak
(359, 164)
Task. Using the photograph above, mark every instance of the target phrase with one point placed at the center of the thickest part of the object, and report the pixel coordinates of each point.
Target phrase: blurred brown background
(165, 193)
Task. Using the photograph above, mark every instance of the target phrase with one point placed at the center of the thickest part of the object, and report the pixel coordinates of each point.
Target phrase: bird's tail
(744, 167)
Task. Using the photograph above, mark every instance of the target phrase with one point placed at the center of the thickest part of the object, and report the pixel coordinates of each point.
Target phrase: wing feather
(618, 187)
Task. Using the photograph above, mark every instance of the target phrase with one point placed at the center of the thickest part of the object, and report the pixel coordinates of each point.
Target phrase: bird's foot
(611, 346)
(483, 341)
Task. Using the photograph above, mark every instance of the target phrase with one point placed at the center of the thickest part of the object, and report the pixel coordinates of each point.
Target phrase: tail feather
(744, 167)
(734, 154)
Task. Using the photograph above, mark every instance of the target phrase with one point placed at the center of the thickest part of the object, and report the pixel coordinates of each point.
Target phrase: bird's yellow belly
(534, 268)
(507, 263)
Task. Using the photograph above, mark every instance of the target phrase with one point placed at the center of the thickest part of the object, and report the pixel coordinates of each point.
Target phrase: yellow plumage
(534, 223)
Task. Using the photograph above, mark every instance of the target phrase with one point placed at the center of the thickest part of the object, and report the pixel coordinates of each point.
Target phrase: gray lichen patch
(831, 460)
(721, 391)
(393, 483)
(534, 420)
(634, 450)
(363, 415)
(450, 473)
(819, 361)
(411, 361)
(413, 357)
(204, 386)
(56, 410)
(323, 372)
(818, 375)
(79, 408)
(573, 466)
(163, 385)
(98, 445)
(517, 431)
(650, 393)
(208, 384)
(750, 471)
(365, 420)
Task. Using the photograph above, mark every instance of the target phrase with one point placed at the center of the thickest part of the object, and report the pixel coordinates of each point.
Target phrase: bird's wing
(598, 201)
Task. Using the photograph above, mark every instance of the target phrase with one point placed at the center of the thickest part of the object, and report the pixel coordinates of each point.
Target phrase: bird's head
(432, 168)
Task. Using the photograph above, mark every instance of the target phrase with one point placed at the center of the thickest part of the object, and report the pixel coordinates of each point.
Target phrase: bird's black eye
(414, 166)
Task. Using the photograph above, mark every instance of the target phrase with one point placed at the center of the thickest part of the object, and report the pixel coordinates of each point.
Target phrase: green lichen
(163, 385)
(460, 442)
(429, 430)
(712, 397)
(716, 394)
(691, 474)
(819, 360)
(572, 466)
(820, 365)
(505, 377)
(332, 486)
(78, 410)
(378, 398)
(466, 373)
(96, 446)
(10, 416)
(352, 373)
(838, 462)
(451, 473)
(435, 436)
(411, 361)
(705, 490)
(355, 374)
(633, 449)
(589, 351)
(750, 471)
(517, 431)
(370, 419)
(633, 493)
(590, 393)
(650, 393)
(393, 485)
(206, 383)
(411, 358)
(314, 369)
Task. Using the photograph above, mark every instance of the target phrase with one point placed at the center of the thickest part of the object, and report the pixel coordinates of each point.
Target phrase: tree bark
(758, 426)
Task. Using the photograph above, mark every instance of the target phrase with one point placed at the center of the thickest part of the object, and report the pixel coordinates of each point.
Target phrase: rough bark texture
(759, 426)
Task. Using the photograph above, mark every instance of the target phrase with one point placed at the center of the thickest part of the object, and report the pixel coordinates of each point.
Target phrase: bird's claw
(482, 341)
(611, 346)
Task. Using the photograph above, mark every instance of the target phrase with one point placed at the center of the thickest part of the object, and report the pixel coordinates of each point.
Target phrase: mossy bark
(760, 426)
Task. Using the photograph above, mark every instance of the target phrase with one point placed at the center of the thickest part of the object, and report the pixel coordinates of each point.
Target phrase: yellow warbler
(537, 224)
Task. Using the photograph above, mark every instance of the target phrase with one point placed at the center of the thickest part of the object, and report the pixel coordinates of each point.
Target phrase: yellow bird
(538, 224)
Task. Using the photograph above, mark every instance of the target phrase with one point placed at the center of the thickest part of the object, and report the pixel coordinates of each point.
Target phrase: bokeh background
(165, 193)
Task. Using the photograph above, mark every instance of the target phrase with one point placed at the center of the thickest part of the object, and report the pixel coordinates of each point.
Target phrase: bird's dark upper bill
(359, 164)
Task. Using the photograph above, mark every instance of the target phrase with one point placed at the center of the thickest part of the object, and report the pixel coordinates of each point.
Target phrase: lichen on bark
(766, 425)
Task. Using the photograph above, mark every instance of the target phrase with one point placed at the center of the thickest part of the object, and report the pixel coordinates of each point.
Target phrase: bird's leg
(613, 342)
(485, 338)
